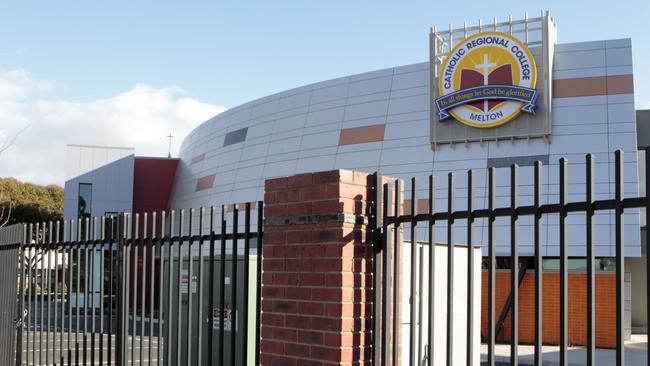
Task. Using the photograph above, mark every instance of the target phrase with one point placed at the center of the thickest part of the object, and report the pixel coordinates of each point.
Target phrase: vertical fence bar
(451, 186)
(122, 292)
(190, 276)
(40, 240)
(129, 243)
(564, 321)
(211, 290)
(80, 224)
(179, 341)
(397, 265)
(647, 231)
(134, 288)
(85, 291)
(386, 268)
(143, 284)
(260, 220)
(620, 261)
(151, 235)
(514, 266)
(470, 269)
(112, 239)
(591, 278)
(414, 267)
(21, 294)
(30, 280)
(233, 295)
(420, 301)
(222, 284)
(199, 316)
(93, 292)
(247, 246)
(491, 267)
(170, 291)
(160, 244)
(42, 277)
(432, 263)
(64, 260)
(70, 269)
(48, 288)
(538, 264)
(377, 278)
(102, 245)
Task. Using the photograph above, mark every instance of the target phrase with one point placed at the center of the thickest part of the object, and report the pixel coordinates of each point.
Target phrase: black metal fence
(387, 273)
(9, 322)
(162, 288)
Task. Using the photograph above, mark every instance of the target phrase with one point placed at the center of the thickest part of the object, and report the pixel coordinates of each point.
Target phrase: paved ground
(49, 353)
(635, 354)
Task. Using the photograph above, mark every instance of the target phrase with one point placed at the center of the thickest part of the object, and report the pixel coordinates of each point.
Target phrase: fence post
(119, 333)
(317, 299)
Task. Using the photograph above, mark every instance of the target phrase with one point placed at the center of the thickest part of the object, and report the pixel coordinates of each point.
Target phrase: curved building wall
(379, 121)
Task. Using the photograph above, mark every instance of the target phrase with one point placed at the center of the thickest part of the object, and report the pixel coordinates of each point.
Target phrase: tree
(30, 202)
(5, 202)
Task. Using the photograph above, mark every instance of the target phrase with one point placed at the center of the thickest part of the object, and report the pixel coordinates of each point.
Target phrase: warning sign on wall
(227, 319)
(185, 279)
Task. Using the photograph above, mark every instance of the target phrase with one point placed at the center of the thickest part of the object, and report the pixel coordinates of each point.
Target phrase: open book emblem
(487, 80)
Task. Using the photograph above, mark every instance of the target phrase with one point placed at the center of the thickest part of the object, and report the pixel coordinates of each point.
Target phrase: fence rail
(388, 198)
(184, 287)
(158, 288)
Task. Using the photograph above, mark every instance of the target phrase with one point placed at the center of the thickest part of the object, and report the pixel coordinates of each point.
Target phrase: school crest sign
(487, 80)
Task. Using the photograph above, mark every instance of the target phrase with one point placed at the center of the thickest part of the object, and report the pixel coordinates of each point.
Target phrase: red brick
(316, 296)
(310, 337)
(285, 307)
(272, 320)
(300, 180)
(275, 237)
(328, 235)
(298, 209)
(285, 335)
(269, 346)
(279, 210)
(272, 292)
(327, 177)
(292, 349)
(298, 293)
(287, 196)
(269, 198)
(327, 206)
(299, 237)
(298, 322)
(275, 184)
(311, 308)
(325, 354)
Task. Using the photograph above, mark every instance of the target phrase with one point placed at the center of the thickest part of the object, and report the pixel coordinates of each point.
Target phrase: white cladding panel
(108, 169)
(298, 131)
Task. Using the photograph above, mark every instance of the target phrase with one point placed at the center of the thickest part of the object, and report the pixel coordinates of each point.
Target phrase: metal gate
(166, 288)
(390, 221)
(9, 322)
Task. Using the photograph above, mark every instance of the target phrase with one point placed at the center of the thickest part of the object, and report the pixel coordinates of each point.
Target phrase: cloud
(140, 117)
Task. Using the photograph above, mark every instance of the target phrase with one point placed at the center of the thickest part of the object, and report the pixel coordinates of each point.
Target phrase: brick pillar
(317, 270)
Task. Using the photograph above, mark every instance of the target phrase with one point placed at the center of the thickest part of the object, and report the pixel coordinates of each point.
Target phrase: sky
(128, 73)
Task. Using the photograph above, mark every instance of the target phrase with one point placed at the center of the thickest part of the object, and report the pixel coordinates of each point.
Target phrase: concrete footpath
(636, 351)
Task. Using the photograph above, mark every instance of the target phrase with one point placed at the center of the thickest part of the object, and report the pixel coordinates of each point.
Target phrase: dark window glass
(84, 205)
(236, 136)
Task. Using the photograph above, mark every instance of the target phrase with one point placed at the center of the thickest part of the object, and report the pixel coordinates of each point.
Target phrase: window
(84, 205)
(236, 136)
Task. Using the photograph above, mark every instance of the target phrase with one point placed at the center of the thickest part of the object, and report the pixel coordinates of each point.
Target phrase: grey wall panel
(303, 134)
